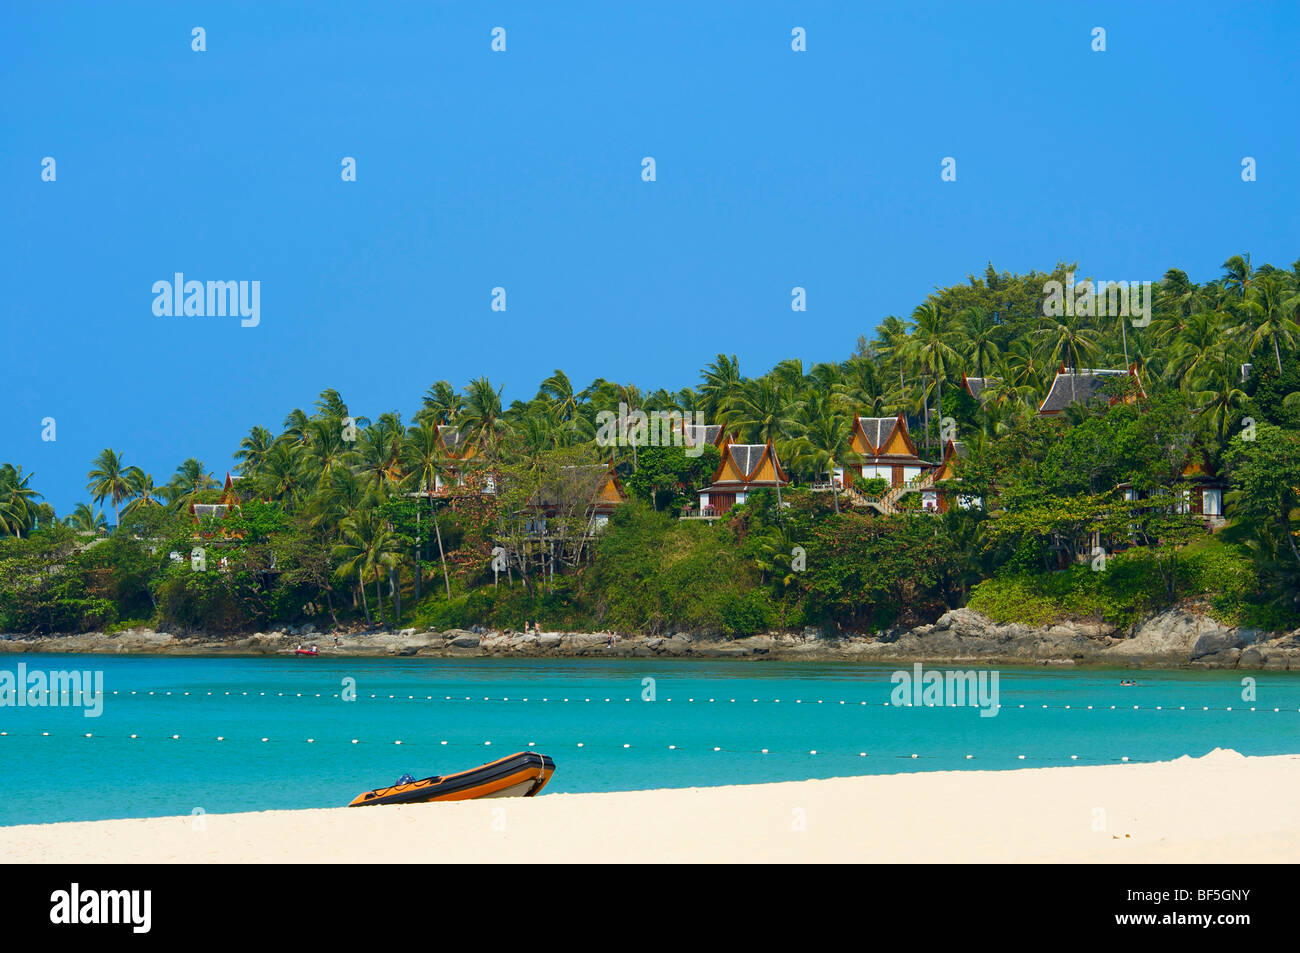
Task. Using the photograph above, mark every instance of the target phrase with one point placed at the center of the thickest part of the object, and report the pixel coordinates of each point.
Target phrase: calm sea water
(589, 715)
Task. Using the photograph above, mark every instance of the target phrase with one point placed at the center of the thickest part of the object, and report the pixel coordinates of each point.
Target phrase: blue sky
(522, 169)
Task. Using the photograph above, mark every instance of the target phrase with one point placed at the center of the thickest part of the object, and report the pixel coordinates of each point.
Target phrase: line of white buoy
(623, 746)
(775, 701)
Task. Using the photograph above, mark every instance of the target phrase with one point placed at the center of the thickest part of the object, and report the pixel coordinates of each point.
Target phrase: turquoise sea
(154, 750)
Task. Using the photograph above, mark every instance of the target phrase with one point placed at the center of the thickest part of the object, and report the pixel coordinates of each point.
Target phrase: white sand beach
(1222, 807)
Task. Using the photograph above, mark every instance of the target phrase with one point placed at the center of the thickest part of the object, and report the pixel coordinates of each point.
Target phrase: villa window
(1212, 499)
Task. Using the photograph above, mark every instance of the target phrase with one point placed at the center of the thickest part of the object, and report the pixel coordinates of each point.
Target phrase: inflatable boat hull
(519, 775)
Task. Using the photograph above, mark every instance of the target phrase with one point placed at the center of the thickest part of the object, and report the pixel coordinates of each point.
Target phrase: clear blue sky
(523, 169)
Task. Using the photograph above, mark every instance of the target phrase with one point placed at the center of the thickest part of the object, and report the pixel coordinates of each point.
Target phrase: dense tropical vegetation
(336, 521)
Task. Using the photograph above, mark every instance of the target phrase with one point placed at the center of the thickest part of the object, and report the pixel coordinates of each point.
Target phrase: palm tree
(423, 464)
(282, 478)
(481, 419)
(1237, 275)
(366, 548)
(824, 438)
(1220, 399)
(108, 478)
(719, 383)
(16, 499)
(931, 344)
(980, 333)
(378, 453)
(1269, 308)
(442, 405)
(1190, 351)
(1068, 342)
(252, 452)
(143, 489)
(87, 520)
(892, 345)
(190, 479)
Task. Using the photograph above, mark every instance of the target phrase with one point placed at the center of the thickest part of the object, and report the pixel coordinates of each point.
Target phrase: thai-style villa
(1199, 490)
(591, 493)
(944, 491)
(229, 498)
(884, 449)
(744, 468)
(456, 448)
(1072, 386)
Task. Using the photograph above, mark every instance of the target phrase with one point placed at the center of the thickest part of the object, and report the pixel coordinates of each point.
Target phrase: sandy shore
(1222, 807)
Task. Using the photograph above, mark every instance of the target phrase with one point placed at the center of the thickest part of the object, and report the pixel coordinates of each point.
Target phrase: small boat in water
(308, 652)
(519, 775)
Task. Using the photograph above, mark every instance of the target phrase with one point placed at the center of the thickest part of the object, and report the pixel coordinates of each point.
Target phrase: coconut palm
(109, 479)
(252, 452)
(1269, 309)
(442, 405)
(366, 548)
(190, 479)
(144, 491)
(980, 334)
(423, 464)
(481, 419)
(17, 499)
(824, 438)
(1237, 275)
(282, 479)
(1221, 397)
(718, 385)
(1191, 351)
(86, 520)
(1067, 341)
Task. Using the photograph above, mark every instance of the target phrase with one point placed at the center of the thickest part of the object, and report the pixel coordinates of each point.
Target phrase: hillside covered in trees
(435, 519)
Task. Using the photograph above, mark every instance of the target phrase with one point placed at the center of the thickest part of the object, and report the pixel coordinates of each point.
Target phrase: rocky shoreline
(1176, 638)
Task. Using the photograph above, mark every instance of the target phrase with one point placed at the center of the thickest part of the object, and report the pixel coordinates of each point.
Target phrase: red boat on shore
(302, 651)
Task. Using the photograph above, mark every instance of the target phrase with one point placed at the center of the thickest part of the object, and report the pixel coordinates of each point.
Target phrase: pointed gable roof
(1078, 387)
(745, 464)
(695, 434)
(883, 437)
(454, 442)
(953, 452)
(976, 385)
